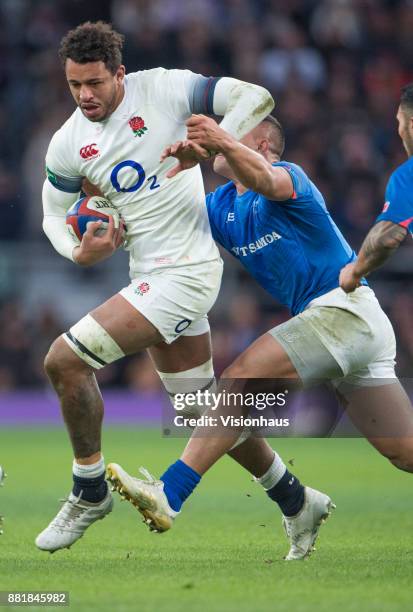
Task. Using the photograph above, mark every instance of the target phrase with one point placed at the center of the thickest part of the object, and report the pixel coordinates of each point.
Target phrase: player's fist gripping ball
(90, 209)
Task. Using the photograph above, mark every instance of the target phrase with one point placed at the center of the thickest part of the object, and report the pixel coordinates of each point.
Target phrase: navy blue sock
(93, 489)
(288, 493)
(179, 482)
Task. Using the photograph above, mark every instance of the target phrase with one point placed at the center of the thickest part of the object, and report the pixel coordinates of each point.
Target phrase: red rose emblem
(137, 123)
(138, 126)
(144, 287)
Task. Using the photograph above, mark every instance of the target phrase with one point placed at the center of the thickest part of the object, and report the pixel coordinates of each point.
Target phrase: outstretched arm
(243, 105)
(382, 240)
(250, 168)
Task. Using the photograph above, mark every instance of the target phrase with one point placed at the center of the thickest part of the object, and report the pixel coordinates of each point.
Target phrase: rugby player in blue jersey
(273, 219)
(396, 219)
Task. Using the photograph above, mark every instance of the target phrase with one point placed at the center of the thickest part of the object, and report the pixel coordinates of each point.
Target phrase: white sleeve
(242, 104)
(60, 190)
(55, 205)
(174, 90)
(178, 92)
(61, 168)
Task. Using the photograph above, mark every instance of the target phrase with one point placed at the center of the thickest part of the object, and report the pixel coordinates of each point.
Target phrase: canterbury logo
(89, 151)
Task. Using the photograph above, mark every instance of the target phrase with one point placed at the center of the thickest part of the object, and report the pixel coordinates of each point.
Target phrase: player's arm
(250, 168)
(92, 249)
(380, 243)
(55, 205)
(387, 234)
(60, 190)
(242, 105)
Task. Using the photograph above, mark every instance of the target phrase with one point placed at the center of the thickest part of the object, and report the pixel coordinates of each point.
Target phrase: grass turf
(225, 551)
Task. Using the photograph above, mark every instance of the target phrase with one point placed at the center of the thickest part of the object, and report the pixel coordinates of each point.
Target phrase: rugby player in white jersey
(114, 140)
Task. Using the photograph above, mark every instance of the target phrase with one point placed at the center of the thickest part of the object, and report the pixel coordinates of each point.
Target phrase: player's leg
(303, 508)
(374, 398)
(266, 359)
(189, 359)
(292, 350)
(384, 415)
(111, 331)
(151, 309)
(188, 362)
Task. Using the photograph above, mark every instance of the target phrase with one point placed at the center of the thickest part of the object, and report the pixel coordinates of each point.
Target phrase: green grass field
(225, 551)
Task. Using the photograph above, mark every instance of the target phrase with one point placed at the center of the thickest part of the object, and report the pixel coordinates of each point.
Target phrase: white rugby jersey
(166, 219)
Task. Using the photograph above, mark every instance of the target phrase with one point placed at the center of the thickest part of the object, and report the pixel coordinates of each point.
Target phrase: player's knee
(238, 369)
(51, 361)
(60, 360)
(403, 462)
(401, 454)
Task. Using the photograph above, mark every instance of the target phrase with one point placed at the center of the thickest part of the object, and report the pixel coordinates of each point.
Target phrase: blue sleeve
(398, 207)
(301, 183)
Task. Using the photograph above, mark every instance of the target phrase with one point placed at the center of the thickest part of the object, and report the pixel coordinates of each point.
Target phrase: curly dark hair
(93, 42)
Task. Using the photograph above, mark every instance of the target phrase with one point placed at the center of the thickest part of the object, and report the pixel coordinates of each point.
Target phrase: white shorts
(345, 338)
(176, 301)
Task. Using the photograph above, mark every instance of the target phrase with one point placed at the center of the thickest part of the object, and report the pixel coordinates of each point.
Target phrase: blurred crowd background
(335, 68)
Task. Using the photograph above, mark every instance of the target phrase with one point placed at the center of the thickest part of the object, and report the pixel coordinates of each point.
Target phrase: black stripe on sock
(84, 349)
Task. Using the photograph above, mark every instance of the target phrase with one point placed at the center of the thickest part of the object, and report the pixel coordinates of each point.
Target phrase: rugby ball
(89, 209)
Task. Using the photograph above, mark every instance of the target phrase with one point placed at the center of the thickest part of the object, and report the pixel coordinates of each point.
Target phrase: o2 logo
(140, 177)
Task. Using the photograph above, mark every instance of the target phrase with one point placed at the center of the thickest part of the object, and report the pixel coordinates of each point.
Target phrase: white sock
(190, 381)
(89, 471)
(274, 473)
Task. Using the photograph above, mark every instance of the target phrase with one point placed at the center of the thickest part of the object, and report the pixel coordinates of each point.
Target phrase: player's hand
(188, 155)
(349, 279)
(94, 248)
(205, 132)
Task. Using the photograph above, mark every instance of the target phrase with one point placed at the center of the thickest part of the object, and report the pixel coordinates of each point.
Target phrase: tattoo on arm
(381, 241)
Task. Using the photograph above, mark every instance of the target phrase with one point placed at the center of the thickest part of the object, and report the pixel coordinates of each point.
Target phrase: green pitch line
(224, 553)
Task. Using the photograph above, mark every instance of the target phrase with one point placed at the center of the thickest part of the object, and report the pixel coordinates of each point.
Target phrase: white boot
(302, 529)
(71, 522)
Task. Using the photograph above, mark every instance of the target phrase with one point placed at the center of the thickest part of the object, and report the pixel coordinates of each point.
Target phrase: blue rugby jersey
(399, 197)
(292, 248)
